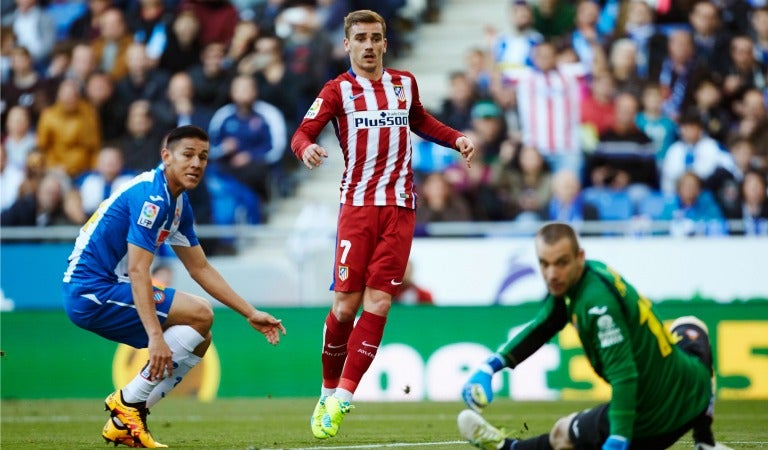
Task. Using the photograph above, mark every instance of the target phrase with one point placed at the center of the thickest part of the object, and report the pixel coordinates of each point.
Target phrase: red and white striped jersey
(549, 107)
(373, 120)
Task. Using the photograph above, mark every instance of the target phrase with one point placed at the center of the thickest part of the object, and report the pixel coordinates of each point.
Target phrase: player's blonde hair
(363, 16)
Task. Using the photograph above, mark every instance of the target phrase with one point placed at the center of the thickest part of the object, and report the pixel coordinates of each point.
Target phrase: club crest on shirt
(343, 273)
(148, 215)
(314, 109)
(158, 296)
(399, 92)
(607, 332)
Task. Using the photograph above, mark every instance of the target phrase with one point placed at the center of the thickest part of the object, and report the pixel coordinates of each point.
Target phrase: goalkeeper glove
(478, 392)
(615, 442)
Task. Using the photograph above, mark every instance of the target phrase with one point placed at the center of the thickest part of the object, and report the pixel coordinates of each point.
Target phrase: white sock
(182, 339)
(325, 392)
(343, 395)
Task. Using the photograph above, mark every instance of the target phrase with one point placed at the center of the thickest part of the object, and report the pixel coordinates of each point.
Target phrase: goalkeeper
(661, 380)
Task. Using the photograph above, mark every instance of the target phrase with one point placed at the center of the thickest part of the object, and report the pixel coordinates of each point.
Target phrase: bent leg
(195, 312)
(187, 333)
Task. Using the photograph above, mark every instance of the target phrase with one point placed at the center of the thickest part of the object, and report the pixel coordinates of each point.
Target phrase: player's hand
(467, 148)
(313, 156)
(477, 392)
(160, 364)
(615, 442)
(267, 325)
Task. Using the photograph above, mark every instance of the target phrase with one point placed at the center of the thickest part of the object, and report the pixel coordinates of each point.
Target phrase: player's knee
(559, 438)
(199, 315)
(377, 302)
(345, 306)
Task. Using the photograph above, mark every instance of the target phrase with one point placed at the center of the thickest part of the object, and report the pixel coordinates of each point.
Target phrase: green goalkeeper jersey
(657, 387)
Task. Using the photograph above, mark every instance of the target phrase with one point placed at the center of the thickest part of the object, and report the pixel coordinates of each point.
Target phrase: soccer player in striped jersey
(108, 287)
(661, 379)
(373, 111)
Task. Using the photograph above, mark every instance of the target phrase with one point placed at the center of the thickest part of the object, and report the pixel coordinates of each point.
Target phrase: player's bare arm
(160, 355)
(466, 147)
(213, 283)
(313, 156)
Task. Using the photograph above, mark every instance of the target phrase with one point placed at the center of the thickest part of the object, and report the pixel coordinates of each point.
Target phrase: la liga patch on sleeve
(148, 215)
(314, 109)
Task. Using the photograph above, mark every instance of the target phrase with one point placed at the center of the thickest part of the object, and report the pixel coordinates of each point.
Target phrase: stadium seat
(611, 205)
(652, 206)
(231, 201)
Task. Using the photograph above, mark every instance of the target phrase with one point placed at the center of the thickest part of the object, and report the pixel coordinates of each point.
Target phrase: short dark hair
(363, 16)
(555, 231)
(186, 131)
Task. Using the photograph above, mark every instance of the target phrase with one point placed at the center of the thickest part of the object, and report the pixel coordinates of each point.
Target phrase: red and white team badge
(158, 296)
(399, 91)
(343, 273)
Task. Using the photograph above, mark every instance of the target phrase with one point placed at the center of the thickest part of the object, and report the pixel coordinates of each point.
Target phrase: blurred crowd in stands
(581, 110)
(90, 87)
(637, 111)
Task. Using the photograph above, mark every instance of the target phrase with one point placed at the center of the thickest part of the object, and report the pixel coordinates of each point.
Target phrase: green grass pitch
(284, 424)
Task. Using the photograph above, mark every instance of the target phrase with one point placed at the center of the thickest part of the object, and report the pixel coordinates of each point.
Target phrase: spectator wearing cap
(487, 121)
(694, 152)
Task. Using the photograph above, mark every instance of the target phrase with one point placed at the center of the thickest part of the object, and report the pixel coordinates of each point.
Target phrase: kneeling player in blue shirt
(108, 288)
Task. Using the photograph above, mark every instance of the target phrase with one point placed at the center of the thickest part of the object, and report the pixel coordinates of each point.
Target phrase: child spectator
(653, 122)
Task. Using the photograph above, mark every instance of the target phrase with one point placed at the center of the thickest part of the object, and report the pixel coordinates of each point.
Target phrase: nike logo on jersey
(156, 198)
(333, 347)
(365, 344)
(395, 283)
(352, 97)
(597, 310)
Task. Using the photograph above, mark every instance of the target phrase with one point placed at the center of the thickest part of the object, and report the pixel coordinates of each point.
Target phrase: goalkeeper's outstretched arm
(477, 392)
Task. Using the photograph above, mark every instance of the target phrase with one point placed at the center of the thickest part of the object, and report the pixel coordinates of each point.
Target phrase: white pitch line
(396, 444)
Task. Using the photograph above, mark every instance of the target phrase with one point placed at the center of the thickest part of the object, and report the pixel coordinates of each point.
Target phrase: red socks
(334, 349)
(362, 347)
